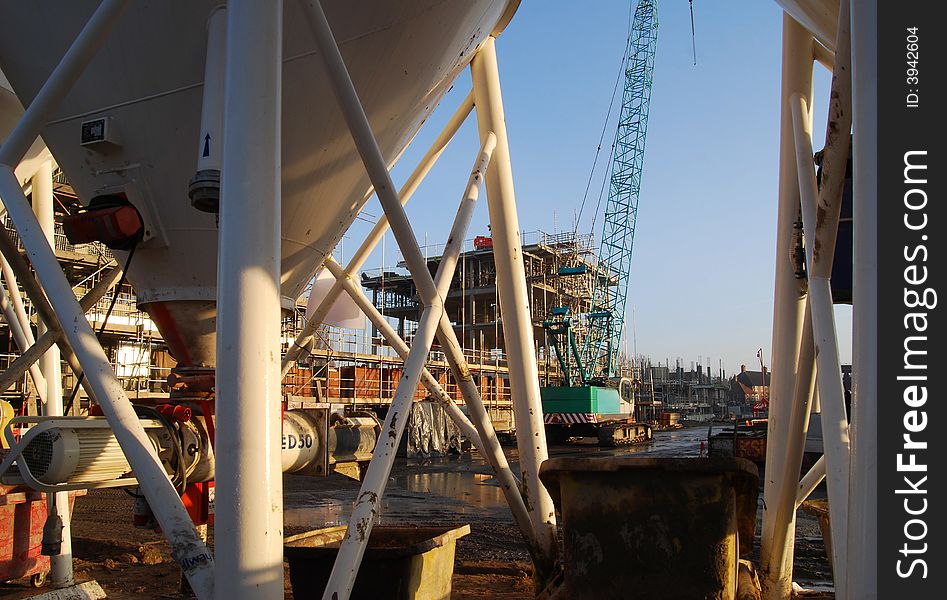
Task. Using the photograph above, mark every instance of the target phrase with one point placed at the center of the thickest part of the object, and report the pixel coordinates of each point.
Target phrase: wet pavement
(461, 489)
(447, 488)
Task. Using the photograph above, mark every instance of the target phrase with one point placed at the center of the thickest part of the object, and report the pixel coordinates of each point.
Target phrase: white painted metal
(31, 287)
(788, 309)
(784, 507)
(148, 79)
(29, 357)
(811, 480)
(381, 226)
(186, 546)
(210, 140)
(490, 448)
(354, 290)
(828, 366)
(10, 112)
(366, 507)
(60, 565)
(863, 497)
(248, 520)
(60, 81)
(819, 17)
(14, 313)
(820, 254)
(514, 302)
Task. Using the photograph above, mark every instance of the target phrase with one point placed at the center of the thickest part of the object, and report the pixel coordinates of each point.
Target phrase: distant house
(749, 387)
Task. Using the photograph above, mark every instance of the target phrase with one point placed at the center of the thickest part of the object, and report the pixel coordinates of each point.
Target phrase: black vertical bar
(911, 262)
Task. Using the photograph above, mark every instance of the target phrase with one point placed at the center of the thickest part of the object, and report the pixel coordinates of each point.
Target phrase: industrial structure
(219, 213)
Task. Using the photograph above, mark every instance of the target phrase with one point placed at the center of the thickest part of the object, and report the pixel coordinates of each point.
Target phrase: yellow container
(400, 563)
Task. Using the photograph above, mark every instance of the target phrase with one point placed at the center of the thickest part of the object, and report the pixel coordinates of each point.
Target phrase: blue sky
(702, 273)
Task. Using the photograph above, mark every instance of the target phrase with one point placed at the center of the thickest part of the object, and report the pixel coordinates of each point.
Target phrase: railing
(62, 243)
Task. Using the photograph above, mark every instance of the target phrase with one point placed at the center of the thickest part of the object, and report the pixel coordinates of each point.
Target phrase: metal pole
(44, 309)
(22, 336)
(367, 147)
(28, 358)
(782, 542)
(490, 448)
(829, 372)
(248, 521)
(401, 348)
(863, 497)
(378, 231)
(788, 309)
(204, 189)
(821, 253)
(60, 565)
(514, 302)
(811, 481)
(186, 546)
(363, 516)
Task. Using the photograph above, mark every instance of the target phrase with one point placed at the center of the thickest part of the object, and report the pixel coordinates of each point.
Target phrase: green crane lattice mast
(605, 323)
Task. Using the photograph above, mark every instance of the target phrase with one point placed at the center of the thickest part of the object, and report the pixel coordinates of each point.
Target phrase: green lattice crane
(589, 365)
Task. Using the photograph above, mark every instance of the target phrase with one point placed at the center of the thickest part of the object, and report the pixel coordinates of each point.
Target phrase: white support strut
(248, 520)
(788, 316)
(828, 369)
(514, 304)
(345, 569)
(186, 546)
(863, 497)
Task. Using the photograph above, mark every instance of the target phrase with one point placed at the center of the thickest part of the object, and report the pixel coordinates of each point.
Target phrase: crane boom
(605, 323)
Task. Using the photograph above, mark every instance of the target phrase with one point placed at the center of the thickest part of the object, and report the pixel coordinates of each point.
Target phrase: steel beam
(378, 231)
(345, 569)
(514, 304)
(248, 520)
(863, 497)
(828, 367)
(28, 358)
(186, 546)
(788, 310)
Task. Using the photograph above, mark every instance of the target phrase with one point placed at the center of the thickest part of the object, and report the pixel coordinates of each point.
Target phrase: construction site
(205, 393)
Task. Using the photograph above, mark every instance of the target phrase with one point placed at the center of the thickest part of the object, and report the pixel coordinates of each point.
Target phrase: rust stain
(393, 430)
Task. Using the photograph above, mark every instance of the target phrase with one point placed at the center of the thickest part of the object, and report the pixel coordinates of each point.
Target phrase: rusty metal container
(401, 562)
(22, 515)
(653, 527)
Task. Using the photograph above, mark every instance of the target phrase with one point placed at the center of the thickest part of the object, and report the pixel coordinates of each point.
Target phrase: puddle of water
(445, 488)
(430, 494)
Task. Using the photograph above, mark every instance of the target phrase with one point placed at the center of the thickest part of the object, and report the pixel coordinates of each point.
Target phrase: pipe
(401, 347)
(819, 17)
(186, 546)
(248, 520)
(204, 189)
(810, 481)
(24, 274)
(345, 569)
(28, 358)
(378, 231)
(514, 303)
(863, 498)
(60, 563)
(829, 372)
(788, 310)
(22, 336)
(797, 430)
(492, 451)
